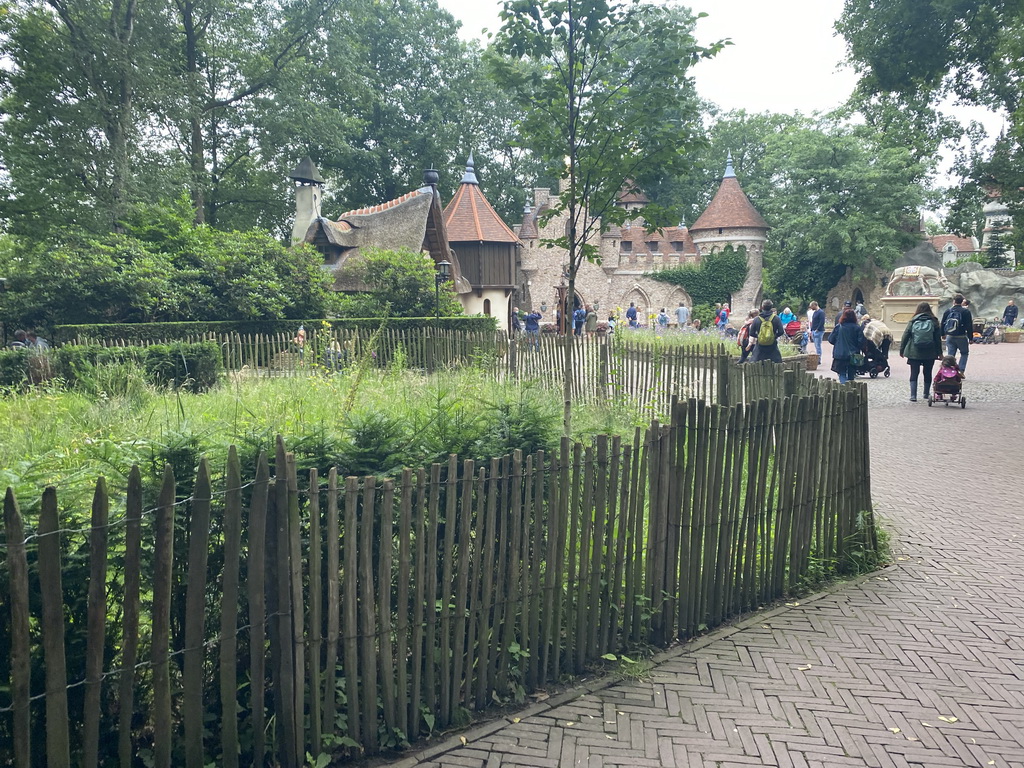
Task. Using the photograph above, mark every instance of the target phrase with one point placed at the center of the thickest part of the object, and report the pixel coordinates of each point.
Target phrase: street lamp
(444, 272)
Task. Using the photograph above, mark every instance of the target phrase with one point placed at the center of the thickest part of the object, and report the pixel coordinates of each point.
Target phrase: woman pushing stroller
(921, 346)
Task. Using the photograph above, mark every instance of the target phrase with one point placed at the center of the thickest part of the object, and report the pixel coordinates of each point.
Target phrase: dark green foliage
(375, 443)
(164, 268)
(195, 367)
(162, 331)
(13, 367)
(713, 280)
(526, 423)
(400, 284)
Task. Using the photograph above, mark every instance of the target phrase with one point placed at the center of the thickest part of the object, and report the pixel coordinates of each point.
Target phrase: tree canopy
(163, 268)
(606, 102)
(972, 51)
(400, 284)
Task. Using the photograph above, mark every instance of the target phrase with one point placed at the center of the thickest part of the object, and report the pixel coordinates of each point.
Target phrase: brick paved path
(920, 665)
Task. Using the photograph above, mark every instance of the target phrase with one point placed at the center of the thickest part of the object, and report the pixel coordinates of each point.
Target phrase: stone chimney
(309, 192)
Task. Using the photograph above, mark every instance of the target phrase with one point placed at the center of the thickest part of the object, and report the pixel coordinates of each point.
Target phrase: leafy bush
(398, 284)
(165, 267)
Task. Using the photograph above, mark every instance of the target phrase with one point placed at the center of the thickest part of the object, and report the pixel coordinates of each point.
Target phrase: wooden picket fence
(605, 368)
(255, 620)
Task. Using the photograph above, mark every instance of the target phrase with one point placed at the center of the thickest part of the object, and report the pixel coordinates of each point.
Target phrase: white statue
(916, 281)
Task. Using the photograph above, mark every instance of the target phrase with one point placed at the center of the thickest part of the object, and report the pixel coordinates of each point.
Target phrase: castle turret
(731, 220)
(486, 246)
(309, 191)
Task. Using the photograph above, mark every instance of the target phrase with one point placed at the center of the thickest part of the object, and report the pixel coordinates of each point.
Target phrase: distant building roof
(960, 244)
(730, 207)
(631, 194)
(412, 221)
(470, 218)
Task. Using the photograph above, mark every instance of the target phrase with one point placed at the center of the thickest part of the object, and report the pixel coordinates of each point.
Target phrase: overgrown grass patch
(392, 419)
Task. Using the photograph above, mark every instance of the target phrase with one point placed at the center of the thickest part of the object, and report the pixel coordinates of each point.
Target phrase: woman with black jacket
(848, 340)
(921, 346)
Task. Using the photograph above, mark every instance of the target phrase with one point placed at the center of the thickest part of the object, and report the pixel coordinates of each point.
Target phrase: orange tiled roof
(470, 218)
(729, 208)
(962, 244)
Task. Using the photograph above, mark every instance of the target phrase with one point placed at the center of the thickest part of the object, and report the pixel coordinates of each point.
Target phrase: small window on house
(678, 246)
(719, 230)
(487, 307)
(652, 246)
(626, 246)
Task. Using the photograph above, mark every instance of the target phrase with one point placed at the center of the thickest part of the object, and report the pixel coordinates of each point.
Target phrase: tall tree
(77, 78)
(932, 50)
(607, 102)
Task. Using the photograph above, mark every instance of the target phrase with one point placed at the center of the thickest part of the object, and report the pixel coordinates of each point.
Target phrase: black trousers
(925, 367)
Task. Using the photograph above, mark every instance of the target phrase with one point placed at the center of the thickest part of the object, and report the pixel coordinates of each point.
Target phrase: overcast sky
(785, 56)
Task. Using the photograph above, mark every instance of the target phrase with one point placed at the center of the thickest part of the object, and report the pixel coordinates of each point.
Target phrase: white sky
(784, 58)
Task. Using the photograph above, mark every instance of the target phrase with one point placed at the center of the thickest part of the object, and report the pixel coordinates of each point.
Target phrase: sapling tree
(607, 102)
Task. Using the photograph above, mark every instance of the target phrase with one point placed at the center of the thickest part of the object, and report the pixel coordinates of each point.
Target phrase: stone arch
(676, 295)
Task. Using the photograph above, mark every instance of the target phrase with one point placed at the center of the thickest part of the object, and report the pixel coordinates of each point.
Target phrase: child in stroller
(946, 387)
(877, 340)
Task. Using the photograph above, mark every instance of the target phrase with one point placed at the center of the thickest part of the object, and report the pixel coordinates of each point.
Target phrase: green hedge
(195, 367)
(162, 331)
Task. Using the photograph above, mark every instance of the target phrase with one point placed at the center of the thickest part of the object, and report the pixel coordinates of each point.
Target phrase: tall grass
(371, 422)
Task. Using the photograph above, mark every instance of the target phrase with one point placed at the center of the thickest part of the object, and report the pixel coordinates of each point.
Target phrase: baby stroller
(876, 359)
(947, 387)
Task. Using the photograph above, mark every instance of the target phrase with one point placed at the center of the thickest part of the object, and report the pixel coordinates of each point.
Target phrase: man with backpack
(764, 334)
(957, 327)
(579, 318)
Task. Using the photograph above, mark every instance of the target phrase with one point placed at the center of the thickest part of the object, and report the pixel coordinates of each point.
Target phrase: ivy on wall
(713, 280)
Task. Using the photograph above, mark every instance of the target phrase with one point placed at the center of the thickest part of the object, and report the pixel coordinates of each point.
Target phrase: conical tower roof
(470, 218)
(306, 172)
(730, 207)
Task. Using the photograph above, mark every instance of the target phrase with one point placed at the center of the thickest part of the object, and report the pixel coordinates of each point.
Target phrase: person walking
(591, 321)
(765, 343)
(816, 326)
(579, 319)
(743, 338)
(682, 316)
(921, 345)
(631, 315)
(957, 327)
(517, 322)
(848, 340)
(1010, 313)
(531, 323)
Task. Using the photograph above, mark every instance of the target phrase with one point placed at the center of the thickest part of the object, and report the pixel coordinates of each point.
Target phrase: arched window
(487, 307)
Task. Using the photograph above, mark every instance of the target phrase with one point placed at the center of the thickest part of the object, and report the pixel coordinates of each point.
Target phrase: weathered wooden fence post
(20, 662)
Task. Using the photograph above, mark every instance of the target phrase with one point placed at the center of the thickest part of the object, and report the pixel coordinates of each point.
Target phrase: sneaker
(913, 399)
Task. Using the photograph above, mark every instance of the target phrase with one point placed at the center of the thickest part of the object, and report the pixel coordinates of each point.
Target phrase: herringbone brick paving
(919, 665)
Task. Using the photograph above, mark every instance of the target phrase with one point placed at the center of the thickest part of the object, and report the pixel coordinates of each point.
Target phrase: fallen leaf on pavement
(945, 719)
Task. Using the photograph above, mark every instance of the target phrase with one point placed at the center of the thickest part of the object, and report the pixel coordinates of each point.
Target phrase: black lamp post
(444, 272)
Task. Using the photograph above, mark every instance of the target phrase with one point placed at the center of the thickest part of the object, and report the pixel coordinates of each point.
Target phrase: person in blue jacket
(848, 340)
